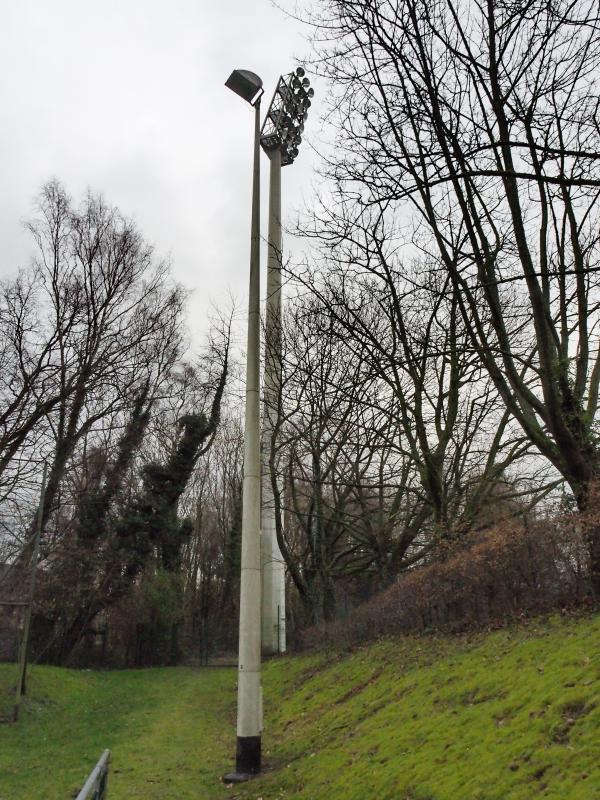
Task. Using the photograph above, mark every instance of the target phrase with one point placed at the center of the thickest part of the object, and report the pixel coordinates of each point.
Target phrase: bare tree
(390, 436)
(121, 522)
(475, 126)
(317, 444)
(94, 323)
(212, 555)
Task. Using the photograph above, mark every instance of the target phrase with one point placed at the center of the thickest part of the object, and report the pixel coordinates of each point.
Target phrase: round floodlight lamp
(300, 72)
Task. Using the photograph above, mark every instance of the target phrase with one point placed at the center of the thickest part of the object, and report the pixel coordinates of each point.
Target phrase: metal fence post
(96, 786)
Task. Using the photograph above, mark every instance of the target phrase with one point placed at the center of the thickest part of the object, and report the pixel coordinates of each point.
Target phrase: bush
(513, 571)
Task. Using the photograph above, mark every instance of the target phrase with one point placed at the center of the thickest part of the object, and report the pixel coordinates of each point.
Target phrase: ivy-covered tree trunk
(150, 522)
(93, 519)
(148, 530)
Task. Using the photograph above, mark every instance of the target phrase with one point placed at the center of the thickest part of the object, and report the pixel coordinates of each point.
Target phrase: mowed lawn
(512, 715)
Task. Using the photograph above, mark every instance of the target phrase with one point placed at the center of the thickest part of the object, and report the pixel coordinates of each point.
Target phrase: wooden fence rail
(96, 786)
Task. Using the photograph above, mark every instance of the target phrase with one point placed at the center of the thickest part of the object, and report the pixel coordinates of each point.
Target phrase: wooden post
(21, 681)
(279, 629)
(104, 643)
(174, 646)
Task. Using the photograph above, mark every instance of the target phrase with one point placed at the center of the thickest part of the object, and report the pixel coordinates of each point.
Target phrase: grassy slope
(514, 715)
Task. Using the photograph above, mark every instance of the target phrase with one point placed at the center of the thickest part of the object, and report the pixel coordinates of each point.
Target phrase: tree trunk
(329, 600)
(586, 503)
(594, 545)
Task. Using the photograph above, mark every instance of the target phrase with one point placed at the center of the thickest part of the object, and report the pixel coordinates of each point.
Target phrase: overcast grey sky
(127, 97)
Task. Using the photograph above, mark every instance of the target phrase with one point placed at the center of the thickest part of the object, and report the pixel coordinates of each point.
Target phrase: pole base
(238, 777)
(247, 760)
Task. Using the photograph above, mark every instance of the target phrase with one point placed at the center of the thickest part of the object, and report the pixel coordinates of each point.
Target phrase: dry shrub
(512, 571)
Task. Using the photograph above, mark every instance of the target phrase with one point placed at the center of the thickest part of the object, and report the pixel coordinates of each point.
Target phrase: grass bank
(513, 715)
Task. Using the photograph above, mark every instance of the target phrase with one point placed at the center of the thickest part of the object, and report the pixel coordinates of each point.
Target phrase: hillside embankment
(508, 715)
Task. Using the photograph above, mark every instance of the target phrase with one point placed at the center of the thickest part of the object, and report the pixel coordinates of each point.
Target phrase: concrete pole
(273, 567)
(249, 709)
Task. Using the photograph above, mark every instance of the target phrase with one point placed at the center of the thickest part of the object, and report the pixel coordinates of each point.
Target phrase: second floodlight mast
(280, 138)
(248, 86)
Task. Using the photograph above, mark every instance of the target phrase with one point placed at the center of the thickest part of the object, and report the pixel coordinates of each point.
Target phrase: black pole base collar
(238, 777)
(247, 760)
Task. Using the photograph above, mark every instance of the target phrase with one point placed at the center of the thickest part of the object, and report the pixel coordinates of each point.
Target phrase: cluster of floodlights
(284, 124)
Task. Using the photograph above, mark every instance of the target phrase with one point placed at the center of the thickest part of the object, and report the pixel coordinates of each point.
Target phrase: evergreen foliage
(150, 521)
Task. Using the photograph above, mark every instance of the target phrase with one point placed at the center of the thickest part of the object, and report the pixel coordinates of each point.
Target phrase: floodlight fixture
(287, 113)
(246, 85)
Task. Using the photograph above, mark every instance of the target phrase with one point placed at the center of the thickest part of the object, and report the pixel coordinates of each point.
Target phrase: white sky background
(127, 97)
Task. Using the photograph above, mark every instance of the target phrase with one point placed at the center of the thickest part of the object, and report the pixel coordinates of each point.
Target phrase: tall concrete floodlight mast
(280, 138)
(249, 711)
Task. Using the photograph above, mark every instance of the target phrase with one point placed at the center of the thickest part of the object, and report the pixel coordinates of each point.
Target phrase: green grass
(513, 715)
(170, 731)
(8, 681)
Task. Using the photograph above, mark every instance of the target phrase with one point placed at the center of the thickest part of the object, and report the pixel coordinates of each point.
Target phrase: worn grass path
(514, 715)
(170, 732)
